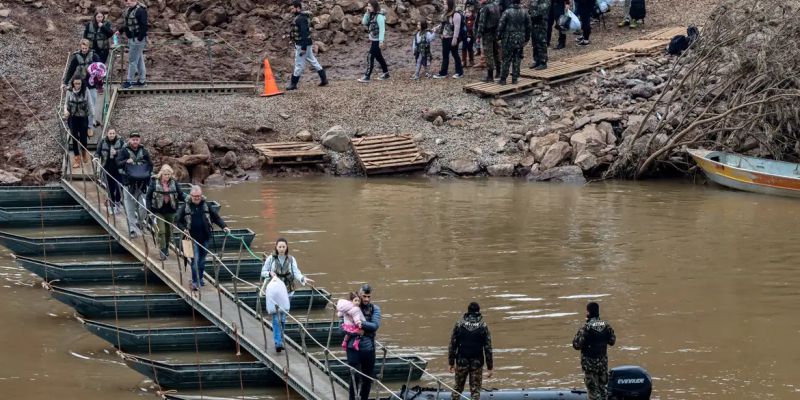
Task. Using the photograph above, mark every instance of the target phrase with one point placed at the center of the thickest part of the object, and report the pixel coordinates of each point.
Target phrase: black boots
(489, 76)
(323, 79)
(293, 84)
(562, 41)
(540, 66)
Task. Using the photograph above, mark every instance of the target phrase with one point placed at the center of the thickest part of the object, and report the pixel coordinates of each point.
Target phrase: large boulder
(431, 114)
(7, 178)
(350, 6)
(228, 161)
(337, 139)
(588, 138)
(558, 152)
(585, 160)
(463, 166)
(304, 136)
(565, 174)
(539, 145)
(500, 170)
(391, 17)
(337, 14)
(214, 16)
(636, 121)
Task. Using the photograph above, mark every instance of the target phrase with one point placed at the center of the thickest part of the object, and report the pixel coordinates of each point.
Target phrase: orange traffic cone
(270, 88)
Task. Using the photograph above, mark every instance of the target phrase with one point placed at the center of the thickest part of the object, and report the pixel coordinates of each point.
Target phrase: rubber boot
(323, 78)
(293, 83)
(489, 76)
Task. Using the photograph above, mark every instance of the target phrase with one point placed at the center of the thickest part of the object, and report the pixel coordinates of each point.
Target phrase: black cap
(366, 288)
(135, 134)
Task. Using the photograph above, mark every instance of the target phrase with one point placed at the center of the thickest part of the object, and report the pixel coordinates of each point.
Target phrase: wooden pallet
(558, 71)
(291, 153)
(642, 47)
(665, 33)
(484, 89)
(601, 58)
(386, 154)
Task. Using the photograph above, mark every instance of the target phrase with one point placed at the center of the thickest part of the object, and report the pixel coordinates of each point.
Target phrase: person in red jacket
(468, 48)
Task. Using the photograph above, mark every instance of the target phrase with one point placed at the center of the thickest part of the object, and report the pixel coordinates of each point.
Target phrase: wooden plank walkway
(601, 58)
(292, 153)
(558, 71)
(487, 89)
(311, 382)
(665, 33)
(641, 47)
(188, 88)
(386, 154)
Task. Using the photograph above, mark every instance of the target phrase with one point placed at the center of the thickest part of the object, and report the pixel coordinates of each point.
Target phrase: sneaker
(458, 76)
(437, 76)
(138, 83)
(384, 76)
(415, 77)
(364, 79)
(133, 234)
(162, 255)
(194, 287)
(634, 24)
(127, 85)
(624, 22)
(202, 282)
(584, 42)
(427, 75)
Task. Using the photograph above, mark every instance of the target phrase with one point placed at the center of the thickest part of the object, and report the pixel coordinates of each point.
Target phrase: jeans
(300, 60)
(136, 59)
(199, 262)
(364, 361)
(135, 209)
(447, 50)
(277, 328)
(373, 54)
(92, 97)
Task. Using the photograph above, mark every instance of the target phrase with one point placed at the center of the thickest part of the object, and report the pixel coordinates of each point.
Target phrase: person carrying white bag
(283, 272)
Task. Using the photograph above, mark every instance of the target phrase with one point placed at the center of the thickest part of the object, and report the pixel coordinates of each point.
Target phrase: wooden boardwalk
(665, 33)
(388, 153)
(558, 71)
(492, 89)
(308, 377)
(189, 88)
(642, 47)
(601, 58)
(292, 153)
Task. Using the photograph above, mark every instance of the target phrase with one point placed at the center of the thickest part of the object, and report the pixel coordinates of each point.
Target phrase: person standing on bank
(135, 29)
(280, 264)
(106, 155)
(375, 21)
(76, 112)
(303, 49)
(539, 10)
(98, 31)
(585, 9)
(135, 166)
(78, 65)
(470, 348)
(363, 358)
(514, 31)
(593, 339)
(195, 219)
(557, 9)
(488, 19)
(450, 31)
(163, 197)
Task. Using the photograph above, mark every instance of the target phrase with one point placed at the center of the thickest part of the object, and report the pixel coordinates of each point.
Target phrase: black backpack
(677, 45)
(692, 33)
(462, 32)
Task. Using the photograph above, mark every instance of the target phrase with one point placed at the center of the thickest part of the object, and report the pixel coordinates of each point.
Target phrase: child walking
(422, 48)
(352, 318)
(467, 48)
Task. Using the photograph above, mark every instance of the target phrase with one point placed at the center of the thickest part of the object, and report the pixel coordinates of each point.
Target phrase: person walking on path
(163, 198)
(488, 20)
(450, 30)
(585, 9)
(135, 166)
(98, 31)
(421, 48)
(79, 65)
(135, 29)
(514, 31)
(375, 21)
(539, 11)
(363, 358)
(557, 9)
(195, 219)
(283, 266)
(303, 49)
(470, 349)
(106, 155)
(593, 339)
(76, 112)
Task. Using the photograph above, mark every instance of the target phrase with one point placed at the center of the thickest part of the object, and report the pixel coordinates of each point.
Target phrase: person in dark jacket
(488, 20)
(557, 9)
(593, 339)
(78, 66)
(76, 112)
(363, 359)
(163, 198)
(470, 349)
(135, 166)
(514, 32)
(450, 32)
(303, 49)
(195, 219)
(99, 32)
(134, 27)
(106, 155)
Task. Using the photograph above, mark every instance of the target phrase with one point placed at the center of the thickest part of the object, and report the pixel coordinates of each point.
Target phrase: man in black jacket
(303, 50)
(361, 357)
(593, 339)
(135, 28)
(135, 166)
(470, 347)
(195, 219)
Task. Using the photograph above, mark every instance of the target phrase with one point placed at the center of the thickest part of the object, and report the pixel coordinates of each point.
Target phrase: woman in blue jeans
(280, 264)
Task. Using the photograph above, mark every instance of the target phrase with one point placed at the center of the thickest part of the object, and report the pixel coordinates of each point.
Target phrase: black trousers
(373, 54)
(557, 9)
(585, 8)
(78, 128)
(114, 192)
(447, 50)
(364, 361)
(102, 54)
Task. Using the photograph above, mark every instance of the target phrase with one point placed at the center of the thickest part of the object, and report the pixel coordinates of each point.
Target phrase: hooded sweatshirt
(471, 342)
(380, 19)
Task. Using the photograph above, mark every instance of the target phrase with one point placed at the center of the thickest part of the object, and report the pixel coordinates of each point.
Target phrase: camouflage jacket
(593, 338)
(515, 27)
(470, 343)
(539, 9)
(488, 19)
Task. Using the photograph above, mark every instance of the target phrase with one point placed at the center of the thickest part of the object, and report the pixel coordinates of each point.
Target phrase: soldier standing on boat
(593, 339)
(363, 360)
(470, 347)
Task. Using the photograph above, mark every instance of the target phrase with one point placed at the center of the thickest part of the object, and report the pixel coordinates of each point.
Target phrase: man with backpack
(135, 166)
(488, 20)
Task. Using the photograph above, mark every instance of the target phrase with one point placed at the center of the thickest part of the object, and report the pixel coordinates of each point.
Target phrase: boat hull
(748, 180)
(35, 196)
(45, 216)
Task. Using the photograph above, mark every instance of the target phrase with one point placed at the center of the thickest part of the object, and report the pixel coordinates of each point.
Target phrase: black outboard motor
(629, 382)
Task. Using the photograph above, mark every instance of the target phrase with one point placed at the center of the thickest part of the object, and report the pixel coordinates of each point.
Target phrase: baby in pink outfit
(350, 311)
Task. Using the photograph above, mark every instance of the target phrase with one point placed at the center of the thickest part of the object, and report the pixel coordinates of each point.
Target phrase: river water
(699, 283)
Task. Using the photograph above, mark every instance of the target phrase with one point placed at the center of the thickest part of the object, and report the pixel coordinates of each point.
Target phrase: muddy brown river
(701, 284)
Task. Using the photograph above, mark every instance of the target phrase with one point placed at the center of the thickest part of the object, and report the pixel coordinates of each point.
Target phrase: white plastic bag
(276, 294)
(574, 21)
(602, 6)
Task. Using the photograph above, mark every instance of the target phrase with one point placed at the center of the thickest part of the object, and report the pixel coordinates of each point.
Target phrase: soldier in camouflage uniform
(488, 20)
(539, 10)
(470, 346)
(593, 339)
(514, 31)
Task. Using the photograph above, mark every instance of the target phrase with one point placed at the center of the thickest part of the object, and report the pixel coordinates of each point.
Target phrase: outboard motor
(629, 382)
